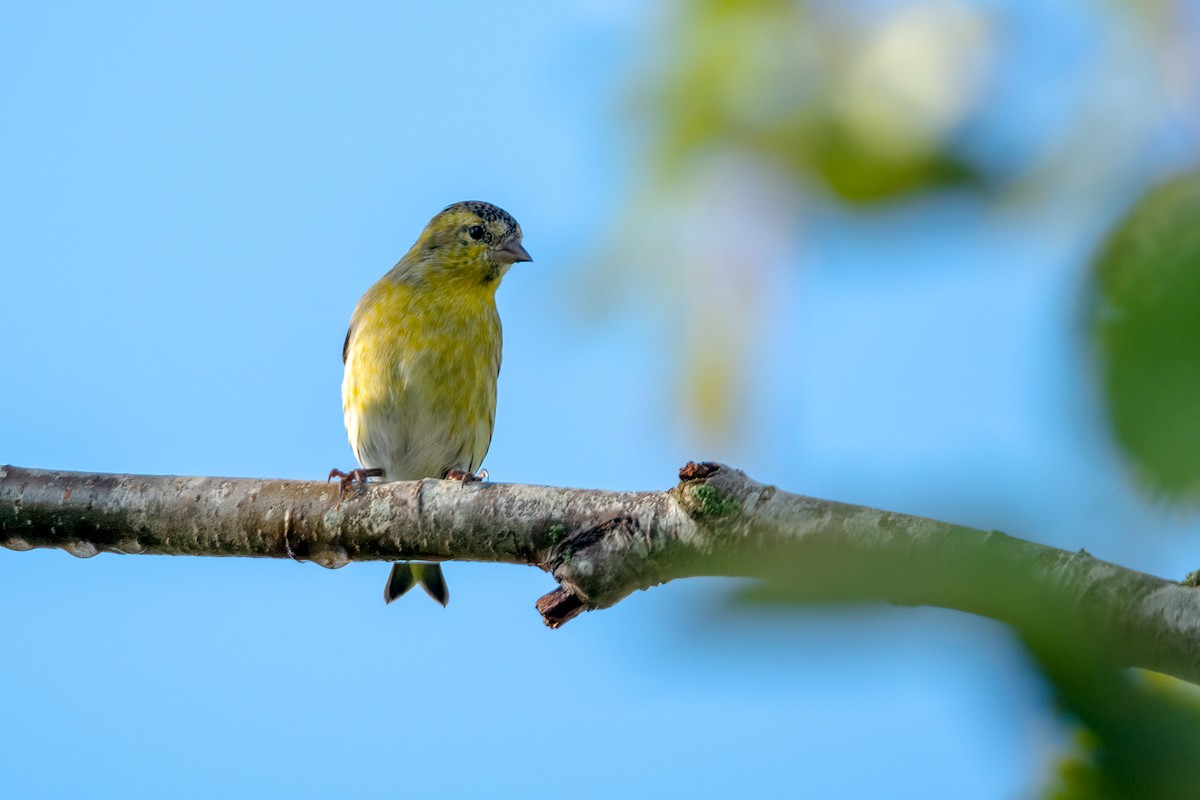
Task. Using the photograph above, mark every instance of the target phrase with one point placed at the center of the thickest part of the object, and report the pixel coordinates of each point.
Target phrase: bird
(421, 357)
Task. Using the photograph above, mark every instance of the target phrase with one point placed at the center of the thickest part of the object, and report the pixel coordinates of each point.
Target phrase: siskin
(422, 355)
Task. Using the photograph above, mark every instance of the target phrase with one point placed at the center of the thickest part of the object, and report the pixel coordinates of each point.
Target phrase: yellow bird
(422, 356)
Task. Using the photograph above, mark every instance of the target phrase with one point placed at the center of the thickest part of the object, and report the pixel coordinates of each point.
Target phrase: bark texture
(601, 546)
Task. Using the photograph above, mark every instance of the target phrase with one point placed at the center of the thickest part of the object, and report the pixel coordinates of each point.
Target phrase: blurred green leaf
(867, 105)
(1146, 328)
(1140, 737)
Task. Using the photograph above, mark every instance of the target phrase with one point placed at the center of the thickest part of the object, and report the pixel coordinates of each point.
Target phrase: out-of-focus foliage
(868, 102)
(1140, 736)
(753, 118)
(1146, 326)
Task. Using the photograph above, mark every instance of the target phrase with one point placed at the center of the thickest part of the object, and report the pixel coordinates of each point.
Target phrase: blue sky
(194, 200)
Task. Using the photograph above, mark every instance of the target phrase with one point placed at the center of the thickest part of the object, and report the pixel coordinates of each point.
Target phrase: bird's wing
(355, 317)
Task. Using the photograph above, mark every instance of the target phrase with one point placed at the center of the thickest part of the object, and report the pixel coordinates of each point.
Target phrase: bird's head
(469, 241)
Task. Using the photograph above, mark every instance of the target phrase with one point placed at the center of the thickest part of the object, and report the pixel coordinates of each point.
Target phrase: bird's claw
(466, 477)
(353, 475)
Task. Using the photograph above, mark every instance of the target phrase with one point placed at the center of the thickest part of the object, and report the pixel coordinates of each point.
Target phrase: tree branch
(601, 546)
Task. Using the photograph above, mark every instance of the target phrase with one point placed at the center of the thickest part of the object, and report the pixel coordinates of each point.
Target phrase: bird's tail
(406, 574)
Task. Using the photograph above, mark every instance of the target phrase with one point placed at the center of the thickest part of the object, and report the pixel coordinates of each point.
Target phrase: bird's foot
(466, 477)
(353, 475)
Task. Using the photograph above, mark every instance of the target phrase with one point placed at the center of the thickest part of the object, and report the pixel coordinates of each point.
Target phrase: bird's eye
(476, 232)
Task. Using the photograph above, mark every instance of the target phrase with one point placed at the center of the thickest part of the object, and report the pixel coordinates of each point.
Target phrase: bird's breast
(419, 391)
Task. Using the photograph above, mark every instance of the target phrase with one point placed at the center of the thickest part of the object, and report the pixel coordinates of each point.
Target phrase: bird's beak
(513, 251)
